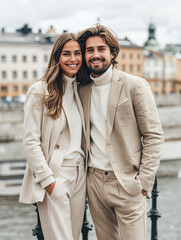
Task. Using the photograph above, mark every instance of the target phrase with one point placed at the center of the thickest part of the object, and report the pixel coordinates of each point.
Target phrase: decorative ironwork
(154, 214)
(37, 230)
(86, 226)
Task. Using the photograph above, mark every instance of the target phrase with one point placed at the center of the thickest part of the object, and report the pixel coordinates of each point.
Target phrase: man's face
(97, 55)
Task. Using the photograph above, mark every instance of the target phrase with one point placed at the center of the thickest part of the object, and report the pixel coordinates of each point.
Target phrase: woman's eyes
(78, 53)
(69, 54)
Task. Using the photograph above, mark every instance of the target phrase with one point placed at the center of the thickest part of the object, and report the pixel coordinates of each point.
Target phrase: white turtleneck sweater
(74, 150)
(98, 119)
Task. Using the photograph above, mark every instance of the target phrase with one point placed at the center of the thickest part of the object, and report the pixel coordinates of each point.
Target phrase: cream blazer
(45, 141)
(134, 134)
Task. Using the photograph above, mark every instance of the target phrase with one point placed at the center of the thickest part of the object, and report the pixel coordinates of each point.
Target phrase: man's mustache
(96, 59)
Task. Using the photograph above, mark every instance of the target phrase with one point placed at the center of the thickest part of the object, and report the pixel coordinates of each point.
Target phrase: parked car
(19, 99)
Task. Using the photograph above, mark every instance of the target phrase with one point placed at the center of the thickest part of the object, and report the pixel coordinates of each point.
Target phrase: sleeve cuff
(47, 181)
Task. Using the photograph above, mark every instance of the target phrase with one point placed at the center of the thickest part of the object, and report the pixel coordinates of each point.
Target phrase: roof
(127, 43)
(25, 35)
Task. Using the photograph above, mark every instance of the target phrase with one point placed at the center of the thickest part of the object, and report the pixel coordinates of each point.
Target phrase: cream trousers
(116, 214)
(61, 213)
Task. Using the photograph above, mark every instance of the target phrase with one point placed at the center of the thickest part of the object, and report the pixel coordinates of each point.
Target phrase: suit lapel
(114, 94)
(86, 100)
(79, 105)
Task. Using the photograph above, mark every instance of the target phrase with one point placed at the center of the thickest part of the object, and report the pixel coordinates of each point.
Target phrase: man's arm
(151, 131)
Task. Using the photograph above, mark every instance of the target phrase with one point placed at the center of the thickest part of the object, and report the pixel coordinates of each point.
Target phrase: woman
(53, 127)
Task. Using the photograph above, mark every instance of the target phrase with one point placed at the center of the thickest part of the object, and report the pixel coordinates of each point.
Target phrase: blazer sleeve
(151, 132)
(33, 115)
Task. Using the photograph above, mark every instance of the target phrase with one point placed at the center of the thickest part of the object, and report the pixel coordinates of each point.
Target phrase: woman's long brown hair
(53, 77)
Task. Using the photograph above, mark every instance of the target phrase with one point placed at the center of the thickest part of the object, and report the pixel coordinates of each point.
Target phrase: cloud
(123, 17)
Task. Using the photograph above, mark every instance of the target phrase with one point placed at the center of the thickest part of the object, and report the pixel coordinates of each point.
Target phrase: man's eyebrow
(101, 46)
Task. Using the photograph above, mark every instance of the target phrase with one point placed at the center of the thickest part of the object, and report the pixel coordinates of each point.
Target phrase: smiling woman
(71, 58)
(54, 147)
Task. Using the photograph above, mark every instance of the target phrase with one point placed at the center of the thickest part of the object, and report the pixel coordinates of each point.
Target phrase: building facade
(130, 58)
(24, 57)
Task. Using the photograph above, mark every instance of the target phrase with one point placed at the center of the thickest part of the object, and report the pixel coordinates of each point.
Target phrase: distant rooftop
(25, 35)
(127, 43)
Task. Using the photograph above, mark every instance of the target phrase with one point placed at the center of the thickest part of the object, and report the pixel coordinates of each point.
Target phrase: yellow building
(130, 58)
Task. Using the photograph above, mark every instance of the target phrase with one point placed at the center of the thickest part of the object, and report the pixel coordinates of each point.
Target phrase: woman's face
(71, 58)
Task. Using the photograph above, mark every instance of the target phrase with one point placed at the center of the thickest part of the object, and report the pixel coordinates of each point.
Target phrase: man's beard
(99, 71)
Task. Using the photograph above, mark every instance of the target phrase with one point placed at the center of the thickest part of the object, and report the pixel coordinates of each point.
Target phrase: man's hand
(144, 192)
(50, 188)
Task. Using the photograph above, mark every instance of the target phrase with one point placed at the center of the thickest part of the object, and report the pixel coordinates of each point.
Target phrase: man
(124, 139)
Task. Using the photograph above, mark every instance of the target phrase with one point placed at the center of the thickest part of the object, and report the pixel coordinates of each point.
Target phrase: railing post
(37, 230)
(86, 226)
(154, 214)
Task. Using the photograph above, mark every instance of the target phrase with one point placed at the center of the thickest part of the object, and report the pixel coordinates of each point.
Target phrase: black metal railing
(86, 226)
(153, 213)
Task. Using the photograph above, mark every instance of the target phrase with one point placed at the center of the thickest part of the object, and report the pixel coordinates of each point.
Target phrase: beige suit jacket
(45, 141)
(134, 134)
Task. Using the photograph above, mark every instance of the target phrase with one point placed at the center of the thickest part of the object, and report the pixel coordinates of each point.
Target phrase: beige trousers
(115, 213)
(61, 213)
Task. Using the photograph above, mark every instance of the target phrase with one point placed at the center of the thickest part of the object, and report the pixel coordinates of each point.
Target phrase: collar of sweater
(104, 79)
(68, 80)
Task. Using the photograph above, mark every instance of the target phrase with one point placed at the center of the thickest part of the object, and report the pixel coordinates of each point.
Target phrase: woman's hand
(50, 188)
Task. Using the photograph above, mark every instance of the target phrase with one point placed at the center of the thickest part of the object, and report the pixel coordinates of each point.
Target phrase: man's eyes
(99, 50)
(89, 50)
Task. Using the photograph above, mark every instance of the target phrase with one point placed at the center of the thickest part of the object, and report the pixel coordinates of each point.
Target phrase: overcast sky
(125, 17)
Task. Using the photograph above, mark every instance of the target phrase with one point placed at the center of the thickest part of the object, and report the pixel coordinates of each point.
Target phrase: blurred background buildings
(24, 56)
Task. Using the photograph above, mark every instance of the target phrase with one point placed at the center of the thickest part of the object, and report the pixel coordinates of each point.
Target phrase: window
(34, 58)
(4, 74)
(138, 56)
(155, 84)
(123, 56)
(34, 74)
(15, 88)
(25, 88)
(171, 84)
(131, 68)
(138, 68)
(14, 58)
(4, 88)
(14, 74)
(24, 58)
(25, 74)
(3, 58)
(45, 58)
(123, 68)
(131, 56)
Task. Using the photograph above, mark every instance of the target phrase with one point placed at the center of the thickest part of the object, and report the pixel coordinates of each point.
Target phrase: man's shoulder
(128, 79)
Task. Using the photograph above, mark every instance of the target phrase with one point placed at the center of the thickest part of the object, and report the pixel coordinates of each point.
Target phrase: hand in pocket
(50, 188)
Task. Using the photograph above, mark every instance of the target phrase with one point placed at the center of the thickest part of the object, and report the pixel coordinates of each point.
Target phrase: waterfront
(17, 220)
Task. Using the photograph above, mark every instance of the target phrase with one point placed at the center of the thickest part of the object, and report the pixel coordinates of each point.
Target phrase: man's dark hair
(106, 34)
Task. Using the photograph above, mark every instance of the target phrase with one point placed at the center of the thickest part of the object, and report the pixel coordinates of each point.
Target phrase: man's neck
(103, 78)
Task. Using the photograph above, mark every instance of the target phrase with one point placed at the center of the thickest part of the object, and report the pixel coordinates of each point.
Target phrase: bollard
(86, 226)
(37, 230)
(154, 214)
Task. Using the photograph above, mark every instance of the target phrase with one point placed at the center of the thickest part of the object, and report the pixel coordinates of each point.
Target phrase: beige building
(130, 58)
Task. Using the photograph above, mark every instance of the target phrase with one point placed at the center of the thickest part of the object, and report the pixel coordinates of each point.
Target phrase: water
(17, 220)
